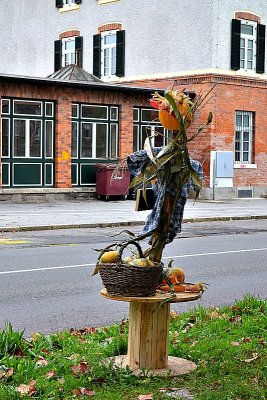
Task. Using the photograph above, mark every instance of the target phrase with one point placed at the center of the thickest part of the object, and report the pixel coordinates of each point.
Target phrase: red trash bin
(107, 186)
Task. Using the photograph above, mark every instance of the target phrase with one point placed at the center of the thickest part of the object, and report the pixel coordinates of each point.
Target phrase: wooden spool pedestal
(148, 334)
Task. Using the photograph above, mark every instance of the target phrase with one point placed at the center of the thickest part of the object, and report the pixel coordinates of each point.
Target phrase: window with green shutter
(69, 51)
(248, 46)
(109, 54)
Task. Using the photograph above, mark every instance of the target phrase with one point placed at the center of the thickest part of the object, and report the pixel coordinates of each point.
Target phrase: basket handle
(123, 246)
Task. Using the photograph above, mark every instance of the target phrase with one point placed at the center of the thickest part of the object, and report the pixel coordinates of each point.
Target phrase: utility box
(224, 164)
(107, 186)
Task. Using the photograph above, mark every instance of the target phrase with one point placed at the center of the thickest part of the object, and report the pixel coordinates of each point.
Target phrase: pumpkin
(176, 275)
(170, 122)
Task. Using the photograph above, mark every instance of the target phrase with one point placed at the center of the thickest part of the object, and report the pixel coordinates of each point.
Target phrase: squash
(169, 121)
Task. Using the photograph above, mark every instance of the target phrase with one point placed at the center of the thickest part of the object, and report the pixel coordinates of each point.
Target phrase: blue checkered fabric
(137, 163)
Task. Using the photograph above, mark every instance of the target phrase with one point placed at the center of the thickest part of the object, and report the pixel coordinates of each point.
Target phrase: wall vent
(243, 193)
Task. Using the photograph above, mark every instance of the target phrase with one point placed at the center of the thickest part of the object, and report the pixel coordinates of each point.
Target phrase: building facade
(217, 44)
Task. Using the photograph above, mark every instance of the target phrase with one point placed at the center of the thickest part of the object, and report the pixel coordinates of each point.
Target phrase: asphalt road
(46, 283)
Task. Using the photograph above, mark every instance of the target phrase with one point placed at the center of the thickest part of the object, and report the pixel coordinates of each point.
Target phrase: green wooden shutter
(78, 1)
(59, 3)
(120, 53)
(260, 57)
(58, 54)
(79, 51)
(235, 44)
(97, 55)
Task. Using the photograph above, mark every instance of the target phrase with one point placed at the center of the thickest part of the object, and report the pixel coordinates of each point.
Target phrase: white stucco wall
(169, 36)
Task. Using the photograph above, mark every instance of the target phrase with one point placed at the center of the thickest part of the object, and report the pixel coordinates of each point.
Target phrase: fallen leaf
(29, 389)
(254, 357)
(145, 397)
(83, 392)
(6, 373)
(84, 331)
(81, 368)
(50, 374)
(236, 319)
(216, 314)
(246, 339)
(99, 380)
(41, 362)
(235, 344)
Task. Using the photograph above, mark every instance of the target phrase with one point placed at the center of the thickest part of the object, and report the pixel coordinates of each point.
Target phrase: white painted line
(18, 271)
(217, 253)
(93, 264)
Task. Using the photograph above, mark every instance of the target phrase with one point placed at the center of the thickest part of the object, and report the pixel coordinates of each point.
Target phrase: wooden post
(149, 319)
(148, 335)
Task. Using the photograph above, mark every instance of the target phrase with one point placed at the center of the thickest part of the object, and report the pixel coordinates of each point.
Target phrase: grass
(227, 344)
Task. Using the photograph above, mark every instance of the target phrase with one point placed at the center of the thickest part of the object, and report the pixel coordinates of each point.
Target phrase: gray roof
(73, 73)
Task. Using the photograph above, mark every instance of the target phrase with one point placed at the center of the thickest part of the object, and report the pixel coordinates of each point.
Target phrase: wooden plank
(134, 335)
(159, 296)
(162, 317)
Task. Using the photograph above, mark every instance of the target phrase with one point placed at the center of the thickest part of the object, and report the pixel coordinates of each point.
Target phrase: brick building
(52, 128)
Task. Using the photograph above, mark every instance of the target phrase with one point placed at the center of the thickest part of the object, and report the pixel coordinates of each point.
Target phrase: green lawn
(227, 344)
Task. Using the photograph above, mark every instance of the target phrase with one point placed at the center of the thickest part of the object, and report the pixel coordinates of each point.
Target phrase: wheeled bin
(107, 186)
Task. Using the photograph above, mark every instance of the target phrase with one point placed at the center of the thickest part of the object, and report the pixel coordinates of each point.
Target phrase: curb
(122, 223)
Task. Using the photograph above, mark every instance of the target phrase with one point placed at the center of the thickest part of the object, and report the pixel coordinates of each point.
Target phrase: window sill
(111, 78)
(245, 166)
(69, 8)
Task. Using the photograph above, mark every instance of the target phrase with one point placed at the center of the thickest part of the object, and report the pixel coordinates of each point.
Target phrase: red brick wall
(231, 93)
(64, 97)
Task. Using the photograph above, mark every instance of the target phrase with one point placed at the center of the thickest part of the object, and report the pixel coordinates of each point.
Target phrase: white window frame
(242, 129)
(246, 38)
(108, 48)
(68, 53)
(27, 138)
(67, 3)
(94, 139)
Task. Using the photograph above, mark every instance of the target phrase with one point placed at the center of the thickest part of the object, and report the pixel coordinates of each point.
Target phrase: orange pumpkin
(170, 122)
(177, 275)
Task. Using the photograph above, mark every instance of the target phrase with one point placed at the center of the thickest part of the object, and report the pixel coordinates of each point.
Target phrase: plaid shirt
(137, 162)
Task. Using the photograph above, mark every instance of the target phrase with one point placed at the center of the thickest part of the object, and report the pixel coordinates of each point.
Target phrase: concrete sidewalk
(93, 213)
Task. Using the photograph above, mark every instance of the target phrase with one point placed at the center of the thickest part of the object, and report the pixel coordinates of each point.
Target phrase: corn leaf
(149, 151)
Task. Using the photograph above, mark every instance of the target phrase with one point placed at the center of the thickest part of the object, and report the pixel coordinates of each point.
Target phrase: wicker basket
(130, 280)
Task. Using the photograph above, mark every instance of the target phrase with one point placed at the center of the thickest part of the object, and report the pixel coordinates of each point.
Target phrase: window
(244, 137)
(108, 49)
(67, 3)
(95, 138)
(109, 54)
(68, 51)
(146, 123)
(27, 147)
(248, 46)
(98, 132)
